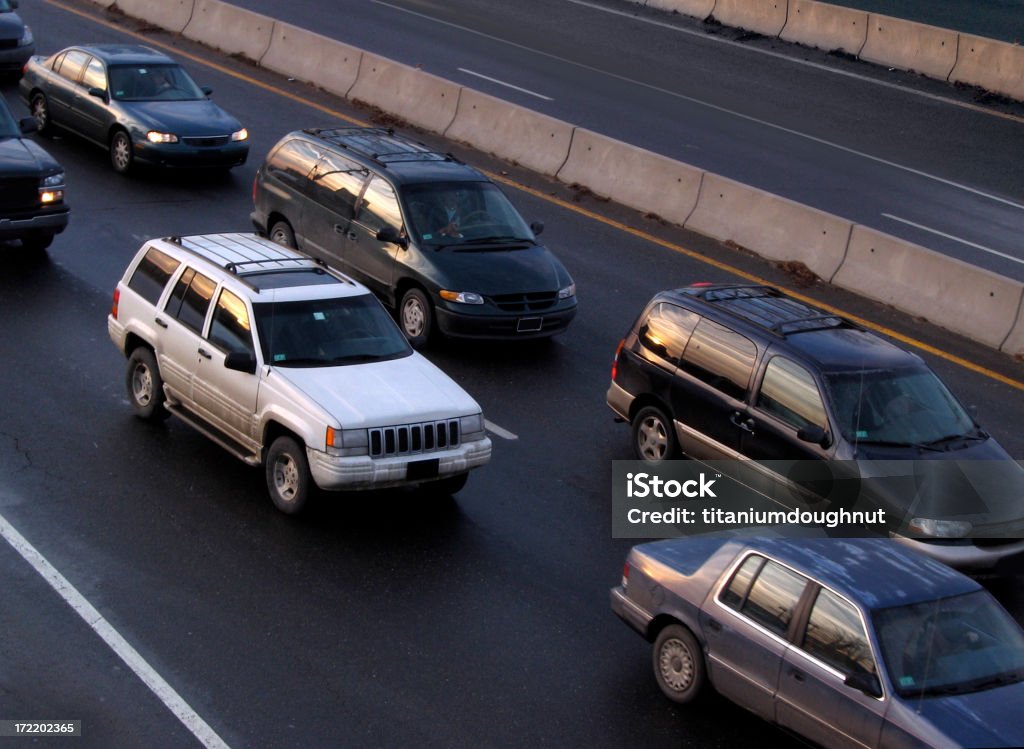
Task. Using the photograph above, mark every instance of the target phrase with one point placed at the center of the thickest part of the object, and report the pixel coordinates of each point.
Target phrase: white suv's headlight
(26, 37)
(940, 528)
(156, 137)
(568, 292)
(242, 134)
(472, 427)
(462, 297)
(348, 441)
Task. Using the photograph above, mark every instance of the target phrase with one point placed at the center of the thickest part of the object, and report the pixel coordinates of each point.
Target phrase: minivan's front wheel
(654, 438)
(415, 317)
(288, 479)
(282, 233)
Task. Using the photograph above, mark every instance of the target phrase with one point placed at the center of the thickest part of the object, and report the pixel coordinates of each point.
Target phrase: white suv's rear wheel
(288, 479)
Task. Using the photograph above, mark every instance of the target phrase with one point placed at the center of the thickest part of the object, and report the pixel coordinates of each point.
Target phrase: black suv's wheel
(282, 233)
(40, 110)
(145, 386)
(415, 317)
(654, 438)
(121, 152)
(678, 664)
(288, 479)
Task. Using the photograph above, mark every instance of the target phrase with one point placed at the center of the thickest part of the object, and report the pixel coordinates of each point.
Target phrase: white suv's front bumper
(363, 472)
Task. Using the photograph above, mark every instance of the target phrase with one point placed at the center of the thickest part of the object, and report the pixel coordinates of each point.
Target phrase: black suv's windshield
(900, 407)
(462, 213)
(328, 332)
(152, 83)
(956, 645)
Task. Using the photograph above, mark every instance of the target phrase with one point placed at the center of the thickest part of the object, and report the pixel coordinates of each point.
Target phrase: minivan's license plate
(422, 469)
(529, 324)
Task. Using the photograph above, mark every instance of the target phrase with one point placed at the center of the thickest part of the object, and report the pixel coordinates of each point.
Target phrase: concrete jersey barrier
(993, 65)
(417, 97)
(910, 46)
(312, 58)
(632, 176)
(951, 293)
(769, 225)
(825, 26)
(762, 16)
(230, 29)
(535, 140)
(696, 8)
(172, 15)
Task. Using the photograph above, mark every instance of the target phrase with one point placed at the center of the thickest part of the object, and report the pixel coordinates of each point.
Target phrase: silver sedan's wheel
(121, 152)
(678, 664)
(414, 316)
(653, 437)
(41, 113)
(288, 479)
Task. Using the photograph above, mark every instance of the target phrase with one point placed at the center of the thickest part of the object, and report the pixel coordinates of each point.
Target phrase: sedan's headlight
(462, 297)
(242, 134)
(51, 189)
(156, 137)
(472, 427)
(348, 441)
(568, 292)
(26, 37)
(940, 528)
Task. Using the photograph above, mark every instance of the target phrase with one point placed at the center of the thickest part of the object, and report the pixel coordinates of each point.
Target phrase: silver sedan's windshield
(328, 332)
(462, 213)
(955, 645)
(152, 83)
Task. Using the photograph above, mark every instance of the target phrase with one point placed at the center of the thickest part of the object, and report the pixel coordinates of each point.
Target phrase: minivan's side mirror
(390, 234)
(240, 361)
(28, 125)
(814, 434)
(206, 90)
(866, 683)
(99, 93)
(537, 227)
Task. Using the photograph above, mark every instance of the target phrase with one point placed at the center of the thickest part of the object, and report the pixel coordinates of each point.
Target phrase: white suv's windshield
(328, 332)
(452, 214)
(901, 407)
(956, 645)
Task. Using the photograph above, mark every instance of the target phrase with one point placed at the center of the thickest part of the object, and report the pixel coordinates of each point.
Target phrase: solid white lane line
(507, 85)
(497, 430)
(715, 107)
(164, 692)
(976, 246)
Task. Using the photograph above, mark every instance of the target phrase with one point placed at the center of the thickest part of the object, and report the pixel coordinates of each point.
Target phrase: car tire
(282, 233)
(415, 317)
(289, 481)
(678, 664)
(654, 436)
(40, 110)
(146, 386)
(121, 152)
(448, 486)
(37, 241)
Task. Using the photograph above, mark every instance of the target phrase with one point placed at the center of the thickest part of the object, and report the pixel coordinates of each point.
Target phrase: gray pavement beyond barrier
(974, 302)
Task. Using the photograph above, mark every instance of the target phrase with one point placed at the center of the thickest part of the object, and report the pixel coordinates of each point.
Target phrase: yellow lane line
(966, 364)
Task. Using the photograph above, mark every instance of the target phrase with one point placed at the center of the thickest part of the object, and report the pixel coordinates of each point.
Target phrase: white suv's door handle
(205, 354)
(160, 322)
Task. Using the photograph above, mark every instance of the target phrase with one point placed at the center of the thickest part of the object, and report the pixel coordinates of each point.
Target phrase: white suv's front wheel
(288, 479)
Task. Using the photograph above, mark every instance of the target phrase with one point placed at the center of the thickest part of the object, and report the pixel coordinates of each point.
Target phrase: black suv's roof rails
(767, 308)
(380, 145)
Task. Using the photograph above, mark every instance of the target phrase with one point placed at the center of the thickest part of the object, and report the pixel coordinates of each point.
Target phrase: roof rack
(359, 140)
(786, 316)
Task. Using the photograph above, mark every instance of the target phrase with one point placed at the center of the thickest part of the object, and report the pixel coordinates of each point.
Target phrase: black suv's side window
(789, 392)
(337, 183)
(151, 275)
(720, 357)
(231, 329)
(379, 206)
(191, 299)
(665, 331)
(293, 163)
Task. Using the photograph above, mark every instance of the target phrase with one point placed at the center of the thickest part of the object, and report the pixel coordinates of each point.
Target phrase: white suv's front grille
(408, 439)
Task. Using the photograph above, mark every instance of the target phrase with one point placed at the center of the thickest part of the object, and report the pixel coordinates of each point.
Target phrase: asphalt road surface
(376, 619)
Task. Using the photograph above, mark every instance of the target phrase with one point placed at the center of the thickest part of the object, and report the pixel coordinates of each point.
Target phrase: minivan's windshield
(152, 83)
(901, 407)
(328, 332)
(955, 645)
(444, 214)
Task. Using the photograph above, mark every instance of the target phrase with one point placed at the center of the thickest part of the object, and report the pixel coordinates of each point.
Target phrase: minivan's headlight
(940, 528)
(462, 297)
(242, 134)
(51, 189)
(26, 37)
(568, 292)
(155, 137)
(471, 426)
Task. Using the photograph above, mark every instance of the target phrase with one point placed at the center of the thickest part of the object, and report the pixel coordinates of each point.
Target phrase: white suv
(289, 364)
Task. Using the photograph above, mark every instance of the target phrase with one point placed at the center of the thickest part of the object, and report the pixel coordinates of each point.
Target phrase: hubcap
(121, 152)
(286, 478)
(676, 664)
(279, 237)
(652, 440)
(39, 112)
(412, 317)
(142, 385)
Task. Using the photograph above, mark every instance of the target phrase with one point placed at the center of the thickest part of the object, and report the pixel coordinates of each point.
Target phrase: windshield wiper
(891, 443)
(952, 437)
(301, 361)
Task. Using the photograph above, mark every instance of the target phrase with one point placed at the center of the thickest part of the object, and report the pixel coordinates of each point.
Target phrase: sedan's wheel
(121, 152)
(145, 386)
(41, 113)
(282, 233)
(288, 479)
(415, 317)
(678, 664)
(654, 438)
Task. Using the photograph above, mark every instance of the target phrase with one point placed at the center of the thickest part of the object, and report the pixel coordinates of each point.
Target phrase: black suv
(722, 372)
(32, 206)
(434, 238)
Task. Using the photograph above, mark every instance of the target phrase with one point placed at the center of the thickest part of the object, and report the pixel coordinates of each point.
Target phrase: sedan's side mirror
(206, 90)
(391, 234)
(99, 93)
(865, 683)
(814, 434)
(240, 361)
(28, 125)
(537, 227)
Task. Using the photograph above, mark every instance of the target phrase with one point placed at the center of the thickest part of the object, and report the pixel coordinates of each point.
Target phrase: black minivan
(435, 239)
